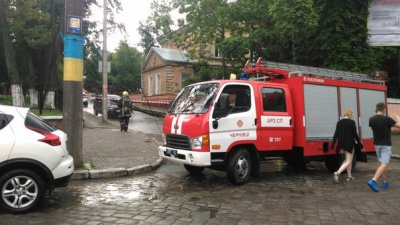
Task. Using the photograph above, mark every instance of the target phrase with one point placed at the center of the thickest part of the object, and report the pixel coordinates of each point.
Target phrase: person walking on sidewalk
(346, 135)
(381, 128)
(125, 108)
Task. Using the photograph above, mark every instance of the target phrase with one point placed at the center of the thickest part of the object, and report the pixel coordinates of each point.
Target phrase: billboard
(384, 23)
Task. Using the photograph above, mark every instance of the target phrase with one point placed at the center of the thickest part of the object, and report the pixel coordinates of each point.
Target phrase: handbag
(361, 156)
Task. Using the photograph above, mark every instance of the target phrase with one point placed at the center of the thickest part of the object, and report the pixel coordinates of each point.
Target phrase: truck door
(276, 118)
(238, 126)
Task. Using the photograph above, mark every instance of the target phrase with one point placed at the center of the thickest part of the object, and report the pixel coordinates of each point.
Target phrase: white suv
(33, 160)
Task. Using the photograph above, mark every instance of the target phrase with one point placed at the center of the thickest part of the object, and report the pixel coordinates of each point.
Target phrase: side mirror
(224, 102)
(215, 124)
(222, 107)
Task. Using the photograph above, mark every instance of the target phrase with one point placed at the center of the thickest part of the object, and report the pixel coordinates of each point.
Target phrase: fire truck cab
(283, 110)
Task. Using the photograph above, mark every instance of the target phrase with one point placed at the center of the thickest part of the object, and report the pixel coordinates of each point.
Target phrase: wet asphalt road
(169, 195)
(141, 122)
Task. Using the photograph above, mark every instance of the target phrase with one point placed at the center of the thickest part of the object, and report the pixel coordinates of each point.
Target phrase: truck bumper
(201, 159)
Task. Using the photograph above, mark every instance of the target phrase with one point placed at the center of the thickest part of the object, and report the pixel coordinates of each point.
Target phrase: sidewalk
(107, 152)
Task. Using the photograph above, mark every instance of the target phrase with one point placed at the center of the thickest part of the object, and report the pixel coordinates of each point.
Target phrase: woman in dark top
(346, 135)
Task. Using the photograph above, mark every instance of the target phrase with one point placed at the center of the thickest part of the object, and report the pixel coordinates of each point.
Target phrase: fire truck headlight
(198, 142)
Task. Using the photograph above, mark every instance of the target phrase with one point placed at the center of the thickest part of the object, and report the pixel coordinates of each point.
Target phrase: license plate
(117, 110)
(171, 152)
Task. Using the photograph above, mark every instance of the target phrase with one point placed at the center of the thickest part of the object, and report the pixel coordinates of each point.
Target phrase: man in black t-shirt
(381, 128)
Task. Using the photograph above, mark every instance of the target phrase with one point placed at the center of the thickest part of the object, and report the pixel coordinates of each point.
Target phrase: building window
(158, 84)
(217, 53)
(150, 88)
(184, 77)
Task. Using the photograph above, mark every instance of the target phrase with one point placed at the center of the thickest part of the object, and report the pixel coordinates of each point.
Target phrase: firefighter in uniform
(125, 108)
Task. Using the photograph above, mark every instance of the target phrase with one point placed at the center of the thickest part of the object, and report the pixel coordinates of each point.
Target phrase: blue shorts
(383, 152)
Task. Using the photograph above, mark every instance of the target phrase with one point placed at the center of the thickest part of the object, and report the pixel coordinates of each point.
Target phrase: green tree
(343, 35)
(93, 79)
(207, 22)
(35, 28)
(125, 69)
(331, 34)
(293, 23)
(157, 26)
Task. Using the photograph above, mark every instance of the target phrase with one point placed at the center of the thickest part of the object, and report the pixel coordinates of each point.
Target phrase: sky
(132, 12)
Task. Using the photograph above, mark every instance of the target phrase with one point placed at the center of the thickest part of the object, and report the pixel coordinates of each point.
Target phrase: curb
(396, 156)
(81, 174)
(115, 172)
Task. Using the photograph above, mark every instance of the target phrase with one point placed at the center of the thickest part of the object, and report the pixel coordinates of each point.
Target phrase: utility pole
(105, 65)
(73, 78)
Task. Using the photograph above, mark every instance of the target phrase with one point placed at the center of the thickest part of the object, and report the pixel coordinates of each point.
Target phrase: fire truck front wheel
(238, 167)
(193, 169)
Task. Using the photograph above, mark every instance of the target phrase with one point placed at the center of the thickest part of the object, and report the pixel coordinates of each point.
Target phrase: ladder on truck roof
(277, 70)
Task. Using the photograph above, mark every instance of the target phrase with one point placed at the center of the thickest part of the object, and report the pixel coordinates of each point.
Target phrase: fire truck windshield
(194, 98)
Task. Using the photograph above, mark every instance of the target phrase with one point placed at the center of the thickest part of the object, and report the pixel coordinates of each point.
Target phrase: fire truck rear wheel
(238, 167)
(194, 169)
(333, 162)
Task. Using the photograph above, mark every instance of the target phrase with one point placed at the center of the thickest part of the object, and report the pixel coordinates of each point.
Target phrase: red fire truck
(282, 110)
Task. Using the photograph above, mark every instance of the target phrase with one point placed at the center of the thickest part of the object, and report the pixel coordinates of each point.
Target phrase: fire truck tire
(333, 162)
(292, 160)
(238, 168)
(194, 169)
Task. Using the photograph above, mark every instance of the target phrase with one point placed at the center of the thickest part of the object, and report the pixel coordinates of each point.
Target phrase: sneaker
(372, 185)
(385, 185)
(336, 177)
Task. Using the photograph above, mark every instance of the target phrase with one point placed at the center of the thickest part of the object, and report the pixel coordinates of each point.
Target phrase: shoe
(350, 179)
(385, 185)
(336, 177)
(372, 185)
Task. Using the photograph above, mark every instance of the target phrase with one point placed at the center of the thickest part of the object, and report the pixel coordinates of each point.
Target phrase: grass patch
(88, 165)
(7, 100)
(47, 112)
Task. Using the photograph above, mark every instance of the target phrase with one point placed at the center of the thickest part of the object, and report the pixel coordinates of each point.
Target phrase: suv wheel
(21, 191)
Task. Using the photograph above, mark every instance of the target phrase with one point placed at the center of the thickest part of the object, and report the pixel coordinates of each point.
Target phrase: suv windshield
(194, 98)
